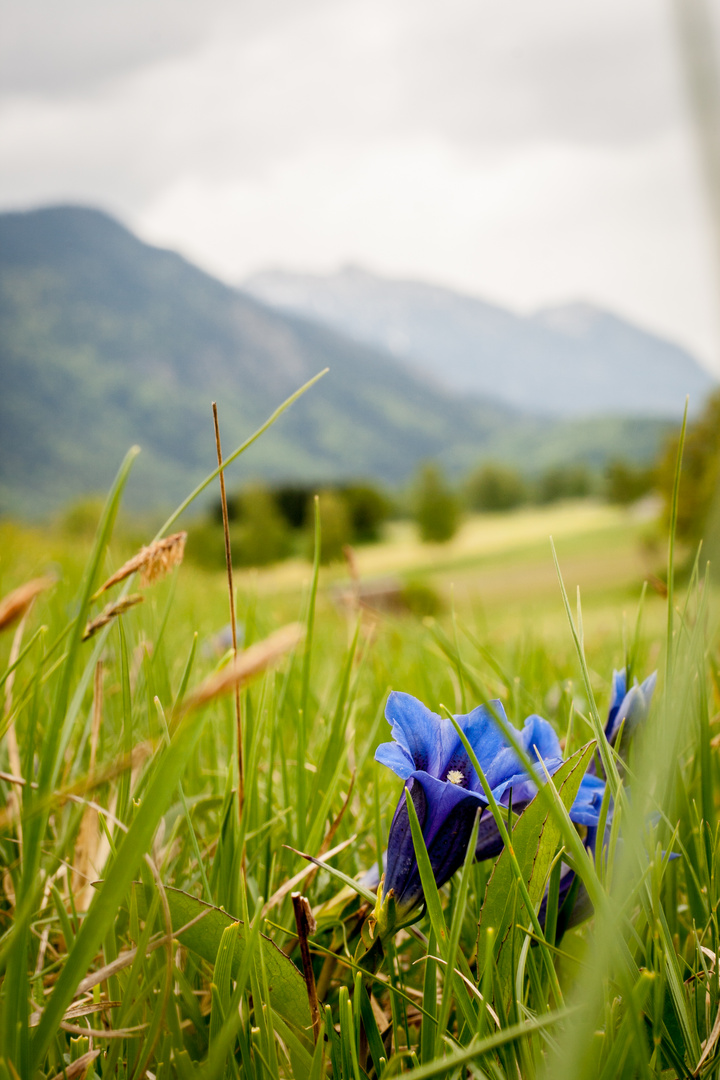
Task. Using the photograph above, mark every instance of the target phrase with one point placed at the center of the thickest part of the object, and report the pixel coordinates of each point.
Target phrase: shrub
(421, 599)
(626, 483)
(81, 518)
(335, 527)
(292, 503)
(258, 533)
(437, 509)
(262, 535)
(495, 487)
(368, 509)
(564, 482)
(205, 545)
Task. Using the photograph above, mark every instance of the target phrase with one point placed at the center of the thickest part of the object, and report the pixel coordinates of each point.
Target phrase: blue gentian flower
(429, 756)
(630, 707)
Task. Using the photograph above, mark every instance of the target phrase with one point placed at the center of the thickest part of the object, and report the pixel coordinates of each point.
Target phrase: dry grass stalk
(15, 604)
(75, 792)
(233, 624)
(289, 885)
(111, 612)
(77, 1068)
(153, 562)
(75, 1012)
(14, 799)
(87, 842)
(250, 663)
(306, 925)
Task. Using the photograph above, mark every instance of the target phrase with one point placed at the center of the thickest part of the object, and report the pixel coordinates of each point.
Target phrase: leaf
(221, 979)
(288, 995)
(534, 839)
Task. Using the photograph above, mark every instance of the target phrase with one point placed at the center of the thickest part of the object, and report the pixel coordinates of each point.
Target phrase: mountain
(574, 360)
(106, 341)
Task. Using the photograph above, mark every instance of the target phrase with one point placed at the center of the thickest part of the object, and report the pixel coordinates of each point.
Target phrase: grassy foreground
(120, 766)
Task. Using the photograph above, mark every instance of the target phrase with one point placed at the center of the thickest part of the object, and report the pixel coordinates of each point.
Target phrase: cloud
(467, 71)
(538, 224)
(528, 150)
(555, 69)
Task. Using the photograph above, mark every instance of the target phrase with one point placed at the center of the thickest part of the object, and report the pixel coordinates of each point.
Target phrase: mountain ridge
(106, 341)
(474, 346)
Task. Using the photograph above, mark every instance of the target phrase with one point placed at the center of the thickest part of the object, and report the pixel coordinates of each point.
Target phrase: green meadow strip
(346, 880)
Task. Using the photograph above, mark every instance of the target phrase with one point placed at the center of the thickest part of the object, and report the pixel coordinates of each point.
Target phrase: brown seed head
(248, 664)
(153, 562)
(16, 603)
(110, 612)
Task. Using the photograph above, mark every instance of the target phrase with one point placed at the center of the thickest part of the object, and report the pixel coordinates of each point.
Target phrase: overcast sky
(528, 151)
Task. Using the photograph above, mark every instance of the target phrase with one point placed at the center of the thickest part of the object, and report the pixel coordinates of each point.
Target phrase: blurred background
(493, 223)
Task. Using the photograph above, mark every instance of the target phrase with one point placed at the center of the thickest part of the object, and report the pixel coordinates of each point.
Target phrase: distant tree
(437, 510)
(564, 482)
(495, 487)
(261, 535)
(421, 599)
(205, 544)
(625, 483)
(82, 517)
(234, 508)
(700, 477)
(368, 509)
(335, 526)
(292, 501)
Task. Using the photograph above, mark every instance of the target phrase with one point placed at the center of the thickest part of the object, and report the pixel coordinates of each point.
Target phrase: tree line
(269, 523)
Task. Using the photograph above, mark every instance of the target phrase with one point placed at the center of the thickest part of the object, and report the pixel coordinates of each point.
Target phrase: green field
(633, 991)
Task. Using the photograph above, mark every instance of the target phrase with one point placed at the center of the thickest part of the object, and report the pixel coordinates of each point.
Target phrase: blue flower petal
(523, 787)
(619, 689)
(586, 808)
(426, 742)
(484, 733)
(392, 755)
(446, 813)
(632, 709)
(426, 739)
(489, 841)
(538, 739)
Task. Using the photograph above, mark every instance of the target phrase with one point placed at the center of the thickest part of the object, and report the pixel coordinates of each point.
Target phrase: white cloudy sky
(529, 151)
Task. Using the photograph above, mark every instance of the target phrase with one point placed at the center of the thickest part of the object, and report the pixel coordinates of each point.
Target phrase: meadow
(151, 843)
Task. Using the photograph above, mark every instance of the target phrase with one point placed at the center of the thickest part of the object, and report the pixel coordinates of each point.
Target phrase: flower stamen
(455, 776)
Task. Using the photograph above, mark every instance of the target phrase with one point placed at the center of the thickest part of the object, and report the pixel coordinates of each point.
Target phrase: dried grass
(250, 663)
(16, 603)
(109, 613)
(88, 840)
(153, 562)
